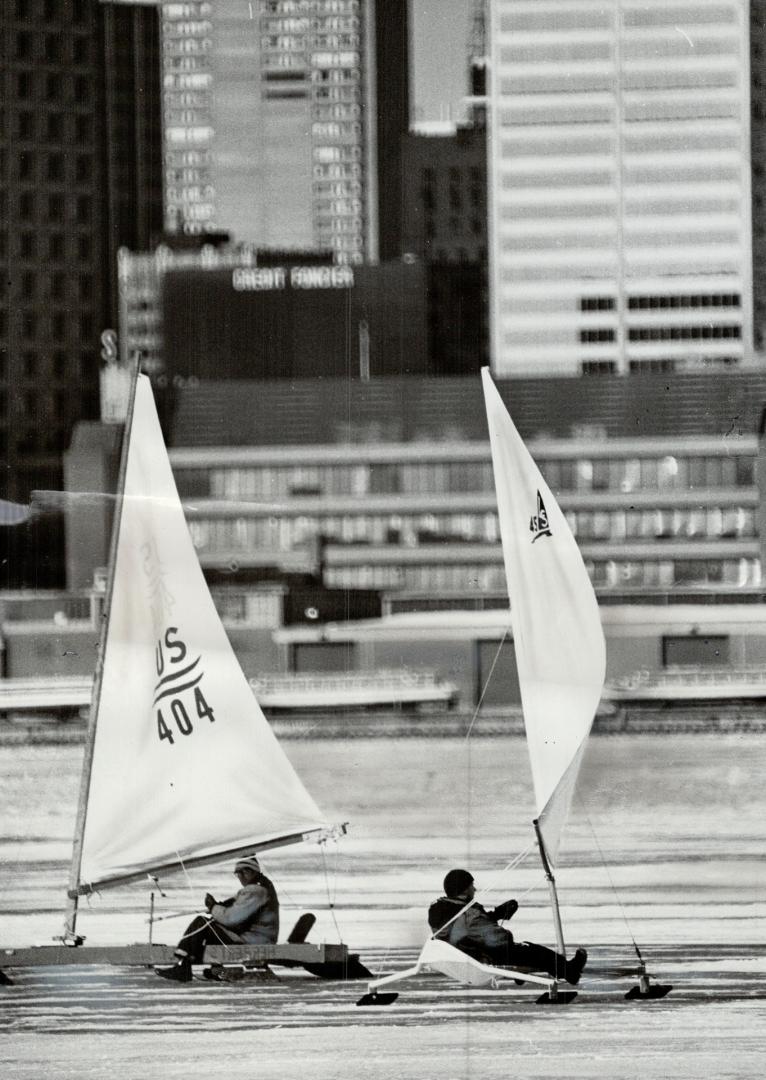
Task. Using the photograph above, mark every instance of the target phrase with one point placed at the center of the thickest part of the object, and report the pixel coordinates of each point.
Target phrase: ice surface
(665, 843)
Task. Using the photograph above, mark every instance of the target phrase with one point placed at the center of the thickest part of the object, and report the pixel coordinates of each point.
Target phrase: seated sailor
(249, 917)
(468, 926)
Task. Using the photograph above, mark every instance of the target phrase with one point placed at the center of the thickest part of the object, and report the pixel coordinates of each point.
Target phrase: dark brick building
(80, 159)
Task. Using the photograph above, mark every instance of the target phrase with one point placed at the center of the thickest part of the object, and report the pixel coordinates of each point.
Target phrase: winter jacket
(473, 932)
(252, 916)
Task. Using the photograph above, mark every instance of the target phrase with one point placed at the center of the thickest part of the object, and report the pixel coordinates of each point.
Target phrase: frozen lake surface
(665, 845)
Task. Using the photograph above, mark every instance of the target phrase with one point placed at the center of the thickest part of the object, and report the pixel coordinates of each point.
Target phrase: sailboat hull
(337, 957)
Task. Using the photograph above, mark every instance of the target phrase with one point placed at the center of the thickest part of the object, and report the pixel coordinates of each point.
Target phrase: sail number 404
(182, 722)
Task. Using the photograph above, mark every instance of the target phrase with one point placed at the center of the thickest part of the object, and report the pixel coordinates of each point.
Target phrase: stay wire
(612, 885)
(486, 684)
(330, 893)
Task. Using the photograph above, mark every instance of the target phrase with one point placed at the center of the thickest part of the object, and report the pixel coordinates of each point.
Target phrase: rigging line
(486, 684)
(330, 900)
(612, 885)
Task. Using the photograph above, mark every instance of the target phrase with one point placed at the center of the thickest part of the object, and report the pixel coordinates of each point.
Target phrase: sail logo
(178, 696)
(538, 523)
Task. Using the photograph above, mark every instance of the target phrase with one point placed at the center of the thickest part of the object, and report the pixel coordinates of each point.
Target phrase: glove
(209, 900)
(506, 910)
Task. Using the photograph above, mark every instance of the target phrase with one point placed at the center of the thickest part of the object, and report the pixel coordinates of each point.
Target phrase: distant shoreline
(726, 718)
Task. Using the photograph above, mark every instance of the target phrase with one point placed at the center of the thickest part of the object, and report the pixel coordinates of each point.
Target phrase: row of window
(663, 333)
(54, 86)
(610, 574)
(57, 248)
(642, 303)
(31, 326)
(683, 333)
(53, 167)
(55, 207)
(281, 533)
(54, 126)
(666, 473)
(51, 48)
(31, 285)
(609, 367)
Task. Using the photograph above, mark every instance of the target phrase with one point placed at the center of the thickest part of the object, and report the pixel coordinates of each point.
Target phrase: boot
(180, 972)
(574, 967)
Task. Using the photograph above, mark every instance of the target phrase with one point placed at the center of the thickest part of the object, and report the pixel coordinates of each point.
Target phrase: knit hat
(456, 882)
(248, 863)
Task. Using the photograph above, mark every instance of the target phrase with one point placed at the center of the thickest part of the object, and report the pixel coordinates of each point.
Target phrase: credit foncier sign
(270, 278)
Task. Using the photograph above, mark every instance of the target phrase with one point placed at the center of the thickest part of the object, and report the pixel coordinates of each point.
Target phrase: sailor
(457, 919)
(250, 917)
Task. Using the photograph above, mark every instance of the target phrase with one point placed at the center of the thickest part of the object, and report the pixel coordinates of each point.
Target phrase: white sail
(557, 634)
(184, 763)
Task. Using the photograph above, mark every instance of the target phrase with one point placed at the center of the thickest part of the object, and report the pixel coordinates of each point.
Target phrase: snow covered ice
(679, 822)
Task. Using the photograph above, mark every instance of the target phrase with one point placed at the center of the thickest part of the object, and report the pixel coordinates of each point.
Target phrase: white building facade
(619, 186)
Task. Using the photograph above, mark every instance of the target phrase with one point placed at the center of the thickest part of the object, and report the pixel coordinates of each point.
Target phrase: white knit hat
(248, 863)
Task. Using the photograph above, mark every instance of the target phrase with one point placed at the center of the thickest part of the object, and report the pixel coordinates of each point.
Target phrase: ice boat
(561, 661)
(180, 766)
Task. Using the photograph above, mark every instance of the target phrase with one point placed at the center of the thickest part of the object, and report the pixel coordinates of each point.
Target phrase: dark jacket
(474, 931)
(252, 916)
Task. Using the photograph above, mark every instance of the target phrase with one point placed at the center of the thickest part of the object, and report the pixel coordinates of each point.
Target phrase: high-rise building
(79, 147)
(620, 190)
(758, 157)
(283, 121)
(445, 225)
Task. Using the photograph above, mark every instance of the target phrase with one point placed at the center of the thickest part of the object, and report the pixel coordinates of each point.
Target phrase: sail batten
(185, 767)
(557, 633)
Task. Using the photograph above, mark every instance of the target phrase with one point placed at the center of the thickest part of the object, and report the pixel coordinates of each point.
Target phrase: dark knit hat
(456, 882)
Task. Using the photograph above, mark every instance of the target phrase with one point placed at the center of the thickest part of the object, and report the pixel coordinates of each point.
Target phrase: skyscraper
(79, 146)
(283, 121)
(620, 185)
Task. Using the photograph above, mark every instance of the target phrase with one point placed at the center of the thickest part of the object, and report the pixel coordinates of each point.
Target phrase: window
(58, 286)
(56, 207)
(53, 86)
(56, 167)
(56, 247)
(52, 48)
(24, 45)
(695, 650)
(80, 50)
(28, 325)
(601, 334)
(26, 206)
(28, 284)
(86, 286)
(83, 248)
(597, 303)
(24, 84)
(598, 367)
(29, 361)
(83, 167)
(25, 124)
(55, 125)
(26, 165)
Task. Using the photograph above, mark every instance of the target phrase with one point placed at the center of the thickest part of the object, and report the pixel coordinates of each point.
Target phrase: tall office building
(620, 192)
(283, 121)
(758, 156)
(79, 145)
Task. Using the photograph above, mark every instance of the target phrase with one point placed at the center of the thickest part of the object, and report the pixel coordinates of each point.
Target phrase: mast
(90, 738)
(551, 889)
